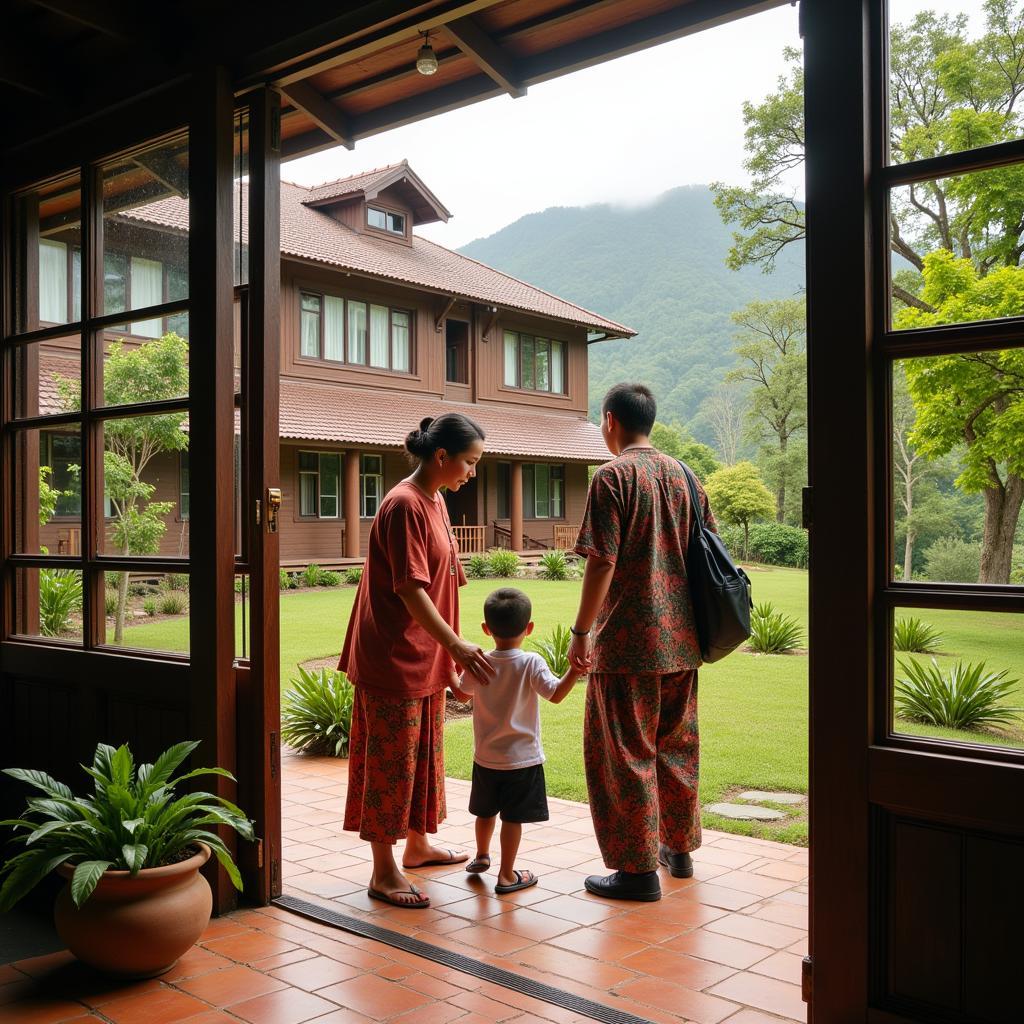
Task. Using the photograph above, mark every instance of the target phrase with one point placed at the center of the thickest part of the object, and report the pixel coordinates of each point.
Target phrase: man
(635, 634)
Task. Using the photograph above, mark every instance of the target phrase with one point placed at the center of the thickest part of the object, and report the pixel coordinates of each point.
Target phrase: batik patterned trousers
(642, 755)
(396, 766)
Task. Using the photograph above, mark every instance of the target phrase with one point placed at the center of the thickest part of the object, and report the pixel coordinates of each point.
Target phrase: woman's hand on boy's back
(472, 659)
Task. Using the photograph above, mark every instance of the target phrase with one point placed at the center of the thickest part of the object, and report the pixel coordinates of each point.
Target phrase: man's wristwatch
(579, 632)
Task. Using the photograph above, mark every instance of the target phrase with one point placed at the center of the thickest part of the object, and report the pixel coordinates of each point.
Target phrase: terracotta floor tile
(9, 973)
(688, 971)
(573, 965)
(436, 1013)
(733, 859)
(767, 933)
(431, 986)
(477, 908)
(271, 963)
(250, 946)
(781, 966)
(801, 947)
(683, 913)
(346, 953)
(598, 945)
(483, 1006)
(764, 994)
(684, 1002)
(749, 881)
(40, 966)
(748, 1016)
(636, 926)
(490, 939)
(221, 988)
(782, 913)
(221, 926)
(195, 962)
(785, 869)
(722, 949)
(286, 1006)
(322, 884)
(328, 861)
(563, 881)
(41, 1010)
(161, 1007)
(376, 998)
(211, 1017)
(341, 1015)
(15, 990)
(718, 896)
(559, 857)
(531, 924)
(576, 910)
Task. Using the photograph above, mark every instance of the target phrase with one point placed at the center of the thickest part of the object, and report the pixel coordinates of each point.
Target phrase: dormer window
(385, 220)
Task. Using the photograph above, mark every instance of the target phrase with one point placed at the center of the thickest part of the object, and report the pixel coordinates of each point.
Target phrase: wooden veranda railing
(565, 537)
(472, 540)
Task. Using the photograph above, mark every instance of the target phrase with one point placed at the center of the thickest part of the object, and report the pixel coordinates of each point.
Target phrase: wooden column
(516, 506)
(351, 505)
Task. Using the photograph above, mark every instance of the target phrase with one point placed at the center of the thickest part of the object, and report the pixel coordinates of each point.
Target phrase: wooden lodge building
(379, 328)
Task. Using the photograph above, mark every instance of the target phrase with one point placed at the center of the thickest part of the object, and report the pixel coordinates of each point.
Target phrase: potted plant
(131, 851)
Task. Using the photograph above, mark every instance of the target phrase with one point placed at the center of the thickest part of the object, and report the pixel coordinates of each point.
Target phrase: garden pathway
(723, 946)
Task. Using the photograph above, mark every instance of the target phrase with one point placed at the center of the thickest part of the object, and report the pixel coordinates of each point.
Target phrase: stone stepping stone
(758, 795)
(745, 812)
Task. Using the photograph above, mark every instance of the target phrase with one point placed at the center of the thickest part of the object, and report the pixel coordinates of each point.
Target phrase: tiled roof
(327, 412)
(347, 186)
(308, 233)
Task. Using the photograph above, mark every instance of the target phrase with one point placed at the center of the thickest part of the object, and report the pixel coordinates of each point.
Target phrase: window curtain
(543, 381)
(147, 290)
(53, 282)
(379, 336)
(334, 328)
(357, 332)
(400, 342)
(557, 368)
(309, 344)
(76, 284)
(511, 359)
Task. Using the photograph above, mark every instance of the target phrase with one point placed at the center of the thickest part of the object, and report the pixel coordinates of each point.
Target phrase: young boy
(508, 762)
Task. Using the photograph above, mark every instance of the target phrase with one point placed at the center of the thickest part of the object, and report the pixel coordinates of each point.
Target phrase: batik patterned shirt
(639, 516)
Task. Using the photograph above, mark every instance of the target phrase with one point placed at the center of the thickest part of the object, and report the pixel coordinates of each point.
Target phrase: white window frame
(377, 476)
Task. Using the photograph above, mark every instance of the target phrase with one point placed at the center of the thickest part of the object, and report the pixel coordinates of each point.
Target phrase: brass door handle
(273, 507)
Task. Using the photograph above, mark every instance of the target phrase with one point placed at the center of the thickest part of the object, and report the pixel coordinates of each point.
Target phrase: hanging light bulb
(426, 59)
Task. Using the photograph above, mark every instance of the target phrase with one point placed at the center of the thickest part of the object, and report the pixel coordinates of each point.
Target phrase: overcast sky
(623, 132)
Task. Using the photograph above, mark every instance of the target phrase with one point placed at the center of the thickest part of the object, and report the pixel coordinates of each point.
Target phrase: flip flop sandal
(478, 865)
(453, 858)
(376, 894)
(524, 879)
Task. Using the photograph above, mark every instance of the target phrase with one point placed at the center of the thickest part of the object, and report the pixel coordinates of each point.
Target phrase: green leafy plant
(553, 566)
(952, 560)
(110, 603)
(966, 697)
(771, 632)
(916, 636)
(503, 563)
(478, 567)
(316, 713)
(285, 581)
(132, 820)
(175, 581)
(354, 574)
(328, 579)
(172, 603)
(554, 649)
(60, 593)
(310, 576)
(148, 606)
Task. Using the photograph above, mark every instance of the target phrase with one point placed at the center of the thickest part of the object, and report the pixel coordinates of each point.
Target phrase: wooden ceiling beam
(109, 19)
(24, 76)
(162, 166)
(328, 117)
(488, 56)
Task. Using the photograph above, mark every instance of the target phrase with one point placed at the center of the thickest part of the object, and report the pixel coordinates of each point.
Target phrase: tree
(773, 359)
(48, 495)
(146, 373)
(724, 411)
(675, 441)
(974, 402)
(739, 497)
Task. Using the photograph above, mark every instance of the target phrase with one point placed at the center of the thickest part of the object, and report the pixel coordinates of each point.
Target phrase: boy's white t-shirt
(506, 713)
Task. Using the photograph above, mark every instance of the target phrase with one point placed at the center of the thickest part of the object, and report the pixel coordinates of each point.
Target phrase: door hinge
(259, 853)
(807, 507)
(259, 512)
(806, 976)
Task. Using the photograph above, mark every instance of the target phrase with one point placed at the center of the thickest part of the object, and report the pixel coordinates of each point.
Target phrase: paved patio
(723, 946)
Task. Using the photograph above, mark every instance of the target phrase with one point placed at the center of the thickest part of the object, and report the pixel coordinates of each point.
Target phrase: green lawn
(753, 709)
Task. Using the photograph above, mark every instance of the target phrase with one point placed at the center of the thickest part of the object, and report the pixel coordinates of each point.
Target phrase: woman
(401, 651)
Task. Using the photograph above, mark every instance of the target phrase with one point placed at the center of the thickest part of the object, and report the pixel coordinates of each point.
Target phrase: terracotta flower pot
(137, 927)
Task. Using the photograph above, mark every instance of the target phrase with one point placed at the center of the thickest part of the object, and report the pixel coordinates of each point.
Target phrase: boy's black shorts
(518, 794)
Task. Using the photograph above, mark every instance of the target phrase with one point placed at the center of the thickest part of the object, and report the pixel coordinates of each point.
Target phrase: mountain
(660, 269)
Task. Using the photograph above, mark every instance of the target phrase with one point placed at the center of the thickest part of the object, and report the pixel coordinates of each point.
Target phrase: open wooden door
(917, 833)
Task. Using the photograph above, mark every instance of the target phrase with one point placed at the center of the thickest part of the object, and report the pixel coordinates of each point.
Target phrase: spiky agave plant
(771, 632)
(132, 820)
(915, 636)
(967, 697)
(316, 713)
(554, 649)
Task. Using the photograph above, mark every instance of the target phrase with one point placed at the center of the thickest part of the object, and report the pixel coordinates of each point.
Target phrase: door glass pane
(959, 676)
(356, 332)
(400, 341)
(48, 603)
(958, 468)
(48, 491)
(954, 78)
(334, 329)
(145, 221)
(148, 611)
(46, 376)
(141, 481)
(46, 222)
(379, 336)
(957, 249)
(511, 359)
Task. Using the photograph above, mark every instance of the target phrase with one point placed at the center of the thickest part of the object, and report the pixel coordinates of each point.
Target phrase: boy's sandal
(479, 864)
(524, 879)
(419, 904)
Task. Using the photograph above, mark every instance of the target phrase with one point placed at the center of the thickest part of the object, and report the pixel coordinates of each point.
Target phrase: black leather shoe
(624, 885)
(680, 865)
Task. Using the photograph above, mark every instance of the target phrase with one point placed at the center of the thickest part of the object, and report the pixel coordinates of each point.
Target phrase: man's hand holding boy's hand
(581, 653)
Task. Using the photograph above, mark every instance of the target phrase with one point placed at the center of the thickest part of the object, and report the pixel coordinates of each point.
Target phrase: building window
(63, 454)
(534, 364)
(53, 282)
(371, 484)
(457, 352)
(319, 476)
(183, 484)
(543, 490)
(354, 332)
(385, 220)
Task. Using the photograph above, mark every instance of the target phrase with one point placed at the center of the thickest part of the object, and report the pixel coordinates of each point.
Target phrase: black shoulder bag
(720, 589)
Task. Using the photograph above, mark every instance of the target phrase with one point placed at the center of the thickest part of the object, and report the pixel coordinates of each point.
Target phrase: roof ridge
(358, 174)
(525, 284)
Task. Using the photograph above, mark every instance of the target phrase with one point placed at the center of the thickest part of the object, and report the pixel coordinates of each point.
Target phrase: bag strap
(695, 506)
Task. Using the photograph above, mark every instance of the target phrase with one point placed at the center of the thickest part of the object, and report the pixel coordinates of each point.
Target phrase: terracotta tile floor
(723, 946)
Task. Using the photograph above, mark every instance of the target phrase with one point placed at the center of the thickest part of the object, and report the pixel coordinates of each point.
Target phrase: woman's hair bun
(425, 423)
(453, 432)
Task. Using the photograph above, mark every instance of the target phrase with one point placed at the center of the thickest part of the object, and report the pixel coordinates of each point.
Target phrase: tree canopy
(739, 497)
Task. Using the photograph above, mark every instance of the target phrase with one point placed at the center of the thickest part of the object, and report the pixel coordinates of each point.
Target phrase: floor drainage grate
(458, 962)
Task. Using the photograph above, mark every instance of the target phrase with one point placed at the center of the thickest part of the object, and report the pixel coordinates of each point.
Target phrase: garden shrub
(285, 581)
(769, 543)
(553, 566)
(1017, 564)
(239, 583)
(554, 649)
(149, 606)
(916, 636)
(771, 632)
(966, 697)
(172, 603)
(478, 567)
(354, 574)
(310, 576)
(328, 579)
(142, 589)
(504, 563)
(110, 603)
(316, 713)
(60, 593)
(952, 560)
(175, 581)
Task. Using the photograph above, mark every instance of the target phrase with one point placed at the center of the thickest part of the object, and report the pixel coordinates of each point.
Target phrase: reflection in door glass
(959, 676)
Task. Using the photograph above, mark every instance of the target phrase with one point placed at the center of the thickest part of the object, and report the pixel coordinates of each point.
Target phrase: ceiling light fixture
(426, 59)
